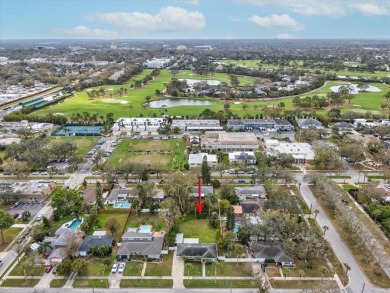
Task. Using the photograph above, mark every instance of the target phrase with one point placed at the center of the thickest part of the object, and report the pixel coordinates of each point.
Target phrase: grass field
(219, 284)
(57, 283)
(102, 218)
(30, 270)
(96, 267)
(9, 235)
(230, 269)
(84, 144)
(198, 229)
(194, 270)
(154, 154)
(158, 283)
(132, 268)
(90, 283)
(19, 283)
(160, 269)
(157, 221)
(136, 98)
(288, 284)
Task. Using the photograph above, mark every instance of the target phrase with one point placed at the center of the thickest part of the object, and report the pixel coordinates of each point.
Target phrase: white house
(196, 160)
(138, 124)
(246, 158)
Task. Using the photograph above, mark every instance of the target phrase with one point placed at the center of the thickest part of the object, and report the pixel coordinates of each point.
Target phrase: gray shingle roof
(144, 248)
(203, 250)
(250, 190)
(92, 241)
(273, 251)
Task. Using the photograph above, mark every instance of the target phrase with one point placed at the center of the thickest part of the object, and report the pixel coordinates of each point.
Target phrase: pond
(175, 102)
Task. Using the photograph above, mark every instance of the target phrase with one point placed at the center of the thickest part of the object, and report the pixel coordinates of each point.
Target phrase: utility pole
(364, 285)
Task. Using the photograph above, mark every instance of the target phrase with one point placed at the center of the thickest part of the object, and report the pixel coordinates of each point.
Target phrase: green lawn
(146, 283)
(198, 228)
(9, 235)
(194, 270)
(154, 154)
(96, 267)
(102, 218)
(57, 224)
(30, 270)
(278, 284)
(90, 283)
(339, 177)
(220, 284)
(57, 283)
(160, 269)
(84, 144)
(19, 282)
(132, 268)
(157, 221)
(230, 269)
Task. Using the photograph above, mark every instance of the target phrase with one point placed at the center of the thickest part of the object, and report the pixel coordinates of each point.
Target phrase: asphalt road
(356, 276)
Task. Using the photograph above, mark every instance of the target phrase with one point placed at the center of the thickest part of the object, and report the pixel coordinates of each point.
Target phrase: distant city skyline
(194, 19)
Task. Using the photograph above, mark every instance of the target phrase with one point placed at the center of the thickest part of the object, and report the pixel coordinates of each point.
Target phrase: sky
(194, 19)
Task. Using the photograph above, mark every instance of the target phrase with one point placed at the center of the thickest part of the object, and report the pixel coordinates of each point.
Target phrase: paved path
(177, 272)
(356, 276)
(20, 225)
(45, 281)
(69, 282)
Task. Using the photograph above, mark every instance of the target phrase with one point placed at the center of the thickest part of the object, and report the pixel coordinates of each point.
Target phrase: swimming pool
(122, 205)
(145, 229)
(75, 224)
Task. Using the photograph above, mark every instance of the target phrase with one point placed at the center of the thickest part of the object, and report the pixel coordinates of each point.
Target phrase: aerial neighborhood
(183, 164)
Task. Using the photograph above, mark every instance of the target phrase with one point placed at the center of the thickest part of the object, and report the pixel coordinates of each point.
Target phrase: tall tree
(6, 221)
(206, 176)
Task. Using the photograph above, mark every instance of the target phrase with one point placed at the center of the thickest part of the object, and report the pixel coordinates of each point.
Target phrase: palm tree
(316, 212)
(301, 274)
(323, 271)
(216, 264)
(188, 267)
(325, 228)
(44, 247)
(347, 268)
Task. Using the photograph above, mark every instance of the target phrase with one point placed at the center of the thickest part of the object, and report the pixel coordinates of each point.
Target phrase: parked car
(16, 204)
(35, 173)
(6, 173)
(20, 216)
(48, 268)
(1, 263)
(44, 173)
(121, 267)
(54, 271)
(387, 186)
(39, 217)
(15, 215)
(114, 268)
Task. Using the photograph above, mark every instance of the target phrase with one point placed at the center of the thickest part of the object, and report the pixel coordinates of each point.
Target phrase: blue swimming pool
(235, 229)
(145, 229)
(122, 205)
(75, 224)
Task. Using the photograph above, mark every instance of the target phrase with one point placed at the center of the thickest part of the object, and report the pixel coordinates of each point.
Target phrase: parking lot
(33, 208)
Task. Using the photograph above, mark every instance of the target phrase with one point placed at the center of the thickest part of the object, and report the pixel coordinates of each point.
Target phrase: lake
(175, 102)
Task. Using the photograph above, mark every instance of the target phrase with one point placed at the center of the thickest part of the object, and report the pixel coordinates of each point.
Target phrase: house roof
(144, 248)
(343, 124)
(273, 251)
(130, 234)
(309, 122)
(90, 195)
(205, 190)
(237, 209)
(258, 189)
(203, 250)
(59, 253)
(249, 207)
(93, 240)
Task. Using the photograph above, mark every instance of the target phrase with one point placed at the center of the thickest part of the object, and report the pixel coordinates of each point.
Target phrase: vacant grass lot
(19, 282)
(90, 283)
(154, 154)
(198, 229)
(9, 235)
(84, 144)
(220, 284)
(96, 267)
(160, 269)
(146, 283)
(278, 284)
(230, 269)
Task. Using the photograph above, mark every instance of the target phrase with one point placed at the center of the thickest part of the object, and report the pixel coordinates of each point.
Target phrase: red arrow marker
(199, 205)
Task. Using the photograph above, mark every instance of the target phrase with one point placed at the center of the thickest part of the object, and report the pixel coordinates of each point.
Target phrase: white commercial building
(246, 158)
(196, 160)
(157, 63)
(196, 125)
(229, 141)
(138, 124)
(301, 152)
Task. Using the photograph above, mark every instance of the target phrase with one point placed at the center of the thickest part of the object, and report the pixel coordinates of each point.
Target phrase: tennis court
(78, 130)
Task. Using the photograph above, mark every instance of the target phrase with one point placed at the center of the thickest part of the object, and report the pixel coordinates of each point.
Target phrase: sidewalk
(177, 272)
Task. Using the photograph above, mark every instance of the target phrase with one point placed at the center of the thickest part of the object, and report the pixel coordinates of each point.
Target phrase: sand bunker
(114, 101)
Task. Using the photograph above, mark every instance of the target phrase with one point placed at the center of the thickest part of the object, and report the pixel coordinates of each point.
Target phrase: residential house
(194, 251)
(95, 240)
(90, 195)
(344, 126)
(309, 123)
(250, 192)
(237, 210)
(137, 242)
(246, 158)
(205, 191)
(196, 160)
(272, 251)
(120, 195)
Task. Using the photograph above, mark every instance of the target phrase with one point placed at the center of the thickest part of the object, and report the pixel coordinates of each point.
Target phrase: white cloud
(85, 32)
(275, 21)
(369, 9)
(169, 19)
(284, 37)
(330, 8)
